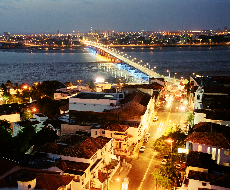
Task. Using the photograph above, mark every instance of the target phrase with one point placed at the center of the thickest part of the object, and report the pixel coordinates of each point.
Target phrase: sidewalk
(118, 178)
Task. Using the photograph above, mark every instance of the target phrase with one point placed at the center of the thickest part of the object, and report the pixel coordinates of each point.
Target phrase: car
(178, 166)
(142, 149)
(146, 139)
(164, 161)
(147, 135)
(155, 118)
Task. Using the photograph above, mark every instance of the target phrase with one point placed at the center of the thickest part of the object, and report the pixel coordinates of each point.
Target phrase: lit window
(225, 164)
(226, 152)
(199, 148)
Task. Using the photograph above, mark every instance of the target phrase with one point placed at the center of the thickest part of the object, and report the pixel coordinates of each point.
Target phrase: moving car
(155, 118)
(147, 135)
(142, 149)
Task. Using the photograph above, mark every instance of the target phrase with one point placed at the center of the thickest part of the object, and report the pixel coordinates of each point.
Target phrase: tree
(48, 106)
(6, 94)
(92, 85)
(68, 84)
(166, 176)
(22, 140)
(175, 133)
(27, 115)
(47, 134)
(5, 139)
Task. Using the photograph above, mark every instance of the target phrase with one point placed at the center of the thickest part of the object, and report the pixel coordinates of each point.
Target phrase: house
(100, 87)
(151, 89)
(217, 116)
(203, 173)
(10, 112)
(122, 135)
(206, 92)
(94, 101)
(202, 180)
(14, 176)
(212, 139)
(93, 153)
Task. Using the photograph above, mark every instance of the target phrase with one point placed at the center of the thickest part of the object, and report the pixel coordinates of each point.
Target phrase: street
(146, 162)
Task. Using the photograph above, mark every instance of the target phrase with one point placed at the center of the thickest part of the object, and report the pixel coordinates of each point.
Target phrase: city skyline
(30, 16)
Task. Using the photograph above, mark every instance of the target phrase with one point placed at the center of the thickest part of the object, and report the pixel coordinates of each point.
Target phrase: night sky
(48, 16)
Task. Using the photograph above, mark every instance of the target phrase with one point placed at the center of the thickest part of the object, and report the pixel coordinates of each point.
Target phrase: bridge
(135, 69)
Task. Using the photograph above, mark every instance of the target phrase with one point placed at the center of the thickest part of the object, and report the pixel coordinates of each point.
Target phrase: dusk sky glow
(48, 16)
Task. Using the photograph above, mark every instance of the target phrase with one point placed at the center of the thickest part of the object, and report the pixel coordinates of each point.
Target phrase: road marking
(143, 179)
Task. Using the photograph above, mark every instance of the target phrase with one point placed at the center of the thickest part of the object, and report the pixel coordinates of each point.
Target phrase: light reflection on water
(81, 65)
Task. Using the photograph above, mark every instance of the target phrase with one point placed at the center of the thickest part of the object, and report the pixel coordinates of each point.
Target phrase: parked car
(146, 139)
(177, 166)
(142, 149)
(155, 118)
(164, 161)
(147, 135)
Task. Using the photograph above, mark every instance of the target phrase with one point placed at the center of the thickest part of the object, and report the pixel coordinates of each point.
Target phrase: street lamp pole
(171, 141)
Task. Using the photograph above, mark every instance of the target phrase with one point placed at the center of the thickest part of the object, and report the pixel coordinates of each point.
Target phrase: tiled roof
(212, 127)
(102, 176)
(216, 89)
(6, 165)
(204, 160)
(209, 138)
(83, 148)
(115, 127)
(138, 97)
(71, 165)
(217, 180)
(216, 114)
(145, 86)
(199, 159)
(10, 180)
(52, 181)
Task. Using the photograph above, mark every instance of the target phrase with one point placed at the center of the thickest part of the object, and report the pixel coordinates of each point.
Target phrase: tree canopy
(166, 176)
(163, 147)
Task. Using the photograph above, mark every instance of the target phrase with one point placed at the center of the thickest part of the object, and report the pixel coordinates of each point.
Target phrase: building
(94, 101)
(90, 155)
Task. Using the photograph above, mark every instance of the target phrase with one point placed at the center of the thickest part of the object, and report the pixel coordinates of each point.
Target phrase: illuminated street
(143, 165)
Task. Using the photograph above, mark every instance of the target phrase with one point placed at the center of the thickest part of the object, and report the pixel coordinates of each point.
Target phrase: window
(198, 97)
(226, 153)
(29, 186)
(225, 164)
(208, 150)
(204, 184)
(199, 148)
(95, 132)
(103, 132)
(213, 153)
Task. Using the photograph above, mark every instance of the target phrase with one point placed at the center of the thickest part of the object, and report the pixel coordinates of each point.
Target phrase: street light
(168, 72)
(170, 141)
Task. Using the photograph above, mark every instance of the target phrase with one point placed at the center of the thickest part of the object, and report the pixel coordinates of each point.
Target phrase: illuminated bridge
(135, 69)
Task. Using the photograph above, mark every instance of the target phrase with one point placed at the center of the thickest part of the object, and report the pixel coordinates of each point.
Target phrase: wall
(71, 129)
(11, 117)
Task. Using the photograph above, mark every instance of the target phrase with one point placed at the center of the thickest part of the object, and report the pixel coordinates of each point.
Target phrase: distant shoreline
(80, 47)
(169, 45)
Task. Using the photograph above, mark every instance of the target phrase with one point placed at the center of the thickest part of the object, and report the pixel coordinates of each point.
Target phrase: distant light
(100, 79)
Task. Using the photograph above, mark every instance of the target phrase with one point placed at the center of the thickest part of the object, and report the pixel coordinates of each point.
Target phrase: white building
(94, 101)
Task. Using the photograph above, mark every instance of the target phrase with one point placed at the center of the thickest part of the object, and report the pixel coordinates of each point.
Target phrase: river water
(23, 66)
